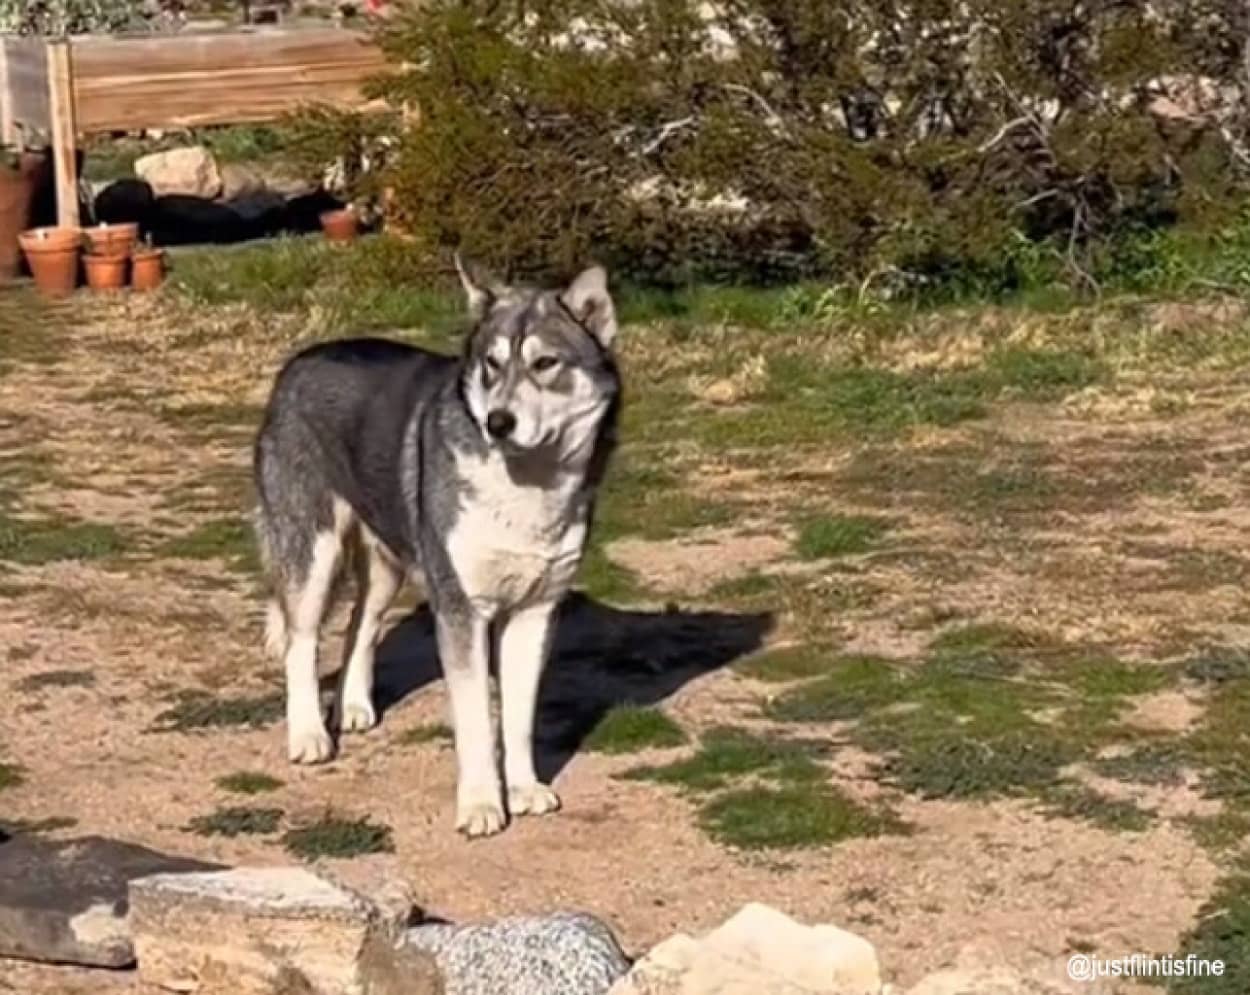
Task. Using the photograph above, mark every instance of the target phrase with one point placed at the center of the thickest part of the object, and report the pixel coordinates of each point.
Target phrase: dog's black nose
(500, 423)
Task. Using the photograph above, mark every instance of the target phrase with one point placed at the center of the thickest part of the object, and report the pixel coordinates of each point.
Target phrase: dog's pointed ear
(588, 298)
(480, 287)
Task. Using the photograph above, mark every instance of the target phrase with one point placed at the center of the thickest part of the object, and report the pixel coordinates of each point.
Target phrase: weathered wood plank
(183, 81)
(27, 85)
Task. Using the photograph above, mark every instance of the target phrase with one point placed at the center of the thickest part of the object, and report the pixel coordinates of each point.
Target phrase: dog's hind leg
(378, 577)
(523, 649)
(305, 603)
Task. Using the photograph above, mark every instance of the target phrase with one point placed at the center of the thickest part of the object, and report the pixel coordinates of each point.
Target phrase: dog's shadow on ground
(603, 657)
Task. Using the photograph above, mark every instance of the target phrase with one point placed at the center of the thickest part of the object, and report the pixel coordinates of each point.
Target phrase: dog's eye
(544, 363)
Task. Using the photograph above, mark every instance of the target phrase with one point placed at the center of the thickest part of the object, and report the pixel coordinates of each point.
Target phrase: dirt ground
(129, 422)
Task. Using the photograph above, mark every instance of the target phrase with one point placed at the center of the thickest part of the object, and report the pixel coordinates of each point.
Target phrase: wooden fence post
(64, 131)
(8, 127)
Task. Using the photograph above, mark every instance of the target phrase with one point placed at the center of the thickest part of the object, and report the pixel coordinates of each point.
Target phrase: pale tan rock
(682, 966)
(268, 931)
(995, 981)
(190, 171)
(821, 958)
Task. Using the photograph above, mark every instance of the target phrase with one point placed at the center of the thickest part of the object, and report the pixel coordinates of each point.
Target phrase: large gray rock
(65, 902)
(561, 954)
(265, 930)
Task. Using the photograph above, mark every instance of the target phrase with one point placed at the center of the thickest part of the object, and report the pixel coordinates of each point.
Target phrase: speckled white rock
(560, 954)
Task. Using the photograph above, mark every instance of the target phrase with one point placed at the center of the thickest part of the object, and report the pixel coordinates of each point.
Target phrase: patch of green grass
(789, 663)
(725, 754)
(1042, 374)
(334, 836)
(56, 679)
(748, 587)
(237, 821)
(853, 686)
(1161, 762)
(1071, 802)
(206, 416)
(603, 579)
(37, 827)
(762, 818)
(35, 541)
(11, 776)
(945, 762)
(967, 721)
(631, 728)
(806, 401)
(275, 277)
(828, 536)
(430, 732)
(203, 710)
(247, 782)
(648, 501)
(1221, 833)
(1222, 933)
(34, 329)
(374, 283)
(227, 539)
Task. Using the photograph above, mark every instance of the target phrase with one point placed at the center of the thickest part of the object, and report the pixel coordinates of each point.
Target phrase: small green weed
(56, 679)
(37, 827)
(725, 753)
(852, 687)
(789, 663)
(333, 836)
(759, 818)
(246, 782)
(50, 540)
(11, 776)
(1086, 804)
(227, 539)
(201, 710)
(828, 536)
(431, 732)
(237, 821)
(1223, 934)
(631, 728)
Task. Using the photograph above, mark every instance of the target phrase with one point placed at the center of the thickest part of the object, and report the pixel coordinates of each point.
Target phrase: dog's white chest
(514, 545)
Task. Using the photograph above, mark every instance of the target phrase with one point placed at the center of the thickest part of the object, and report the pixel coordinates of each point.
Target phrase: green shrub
(977, 146)
(69, 17)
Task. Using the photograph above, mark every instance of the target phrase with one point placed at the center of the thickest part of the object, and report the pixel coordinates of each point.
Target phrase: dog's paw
(357, 716)
(476, 819)
(532, 799)
(309, 745)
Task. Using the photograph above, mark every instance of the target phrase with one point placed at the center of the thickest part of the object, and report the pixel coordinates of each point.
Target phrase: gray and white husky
(475, 476)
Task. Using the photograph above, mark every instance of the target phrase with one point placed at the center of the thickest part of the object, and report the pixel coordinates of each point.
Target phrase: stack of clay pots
(111, 255)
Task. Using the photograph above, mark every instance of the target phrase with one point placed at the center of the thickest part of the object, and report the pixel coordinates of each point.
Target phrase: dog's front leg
(464, 648)
(523, 649)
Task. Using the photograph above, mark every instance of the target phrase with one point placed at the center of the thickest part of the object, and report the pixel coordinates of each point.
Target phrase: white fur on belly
(513, 545)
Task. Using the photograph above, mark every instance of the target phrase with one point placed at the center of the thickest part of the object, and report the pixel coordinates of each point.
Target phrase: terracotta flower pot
(341, 225)
(16, 189)
(52, 254)
(147, 268)
(106, 239)
(105, 271)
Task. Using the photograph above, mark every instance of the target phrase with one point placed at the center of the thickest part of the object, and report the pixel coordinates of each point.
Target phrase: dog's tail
(275, 614)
